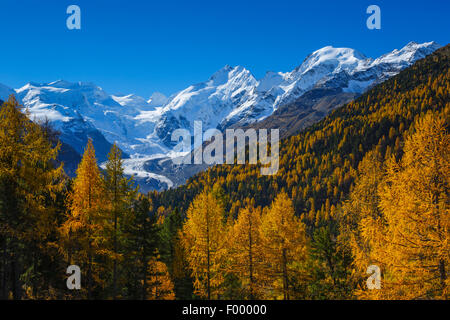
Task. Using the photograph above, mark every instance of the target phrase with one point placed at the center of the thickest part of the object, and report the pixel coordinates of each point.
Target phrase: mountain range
(231, 97)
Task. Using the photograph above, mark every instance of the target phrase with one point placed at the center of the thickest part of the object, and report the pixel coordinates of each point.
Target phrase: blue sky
(142, 46)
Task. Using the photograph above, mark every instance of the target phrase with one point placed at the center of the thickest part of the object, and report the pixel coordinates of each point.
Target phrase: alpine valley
(231, 97)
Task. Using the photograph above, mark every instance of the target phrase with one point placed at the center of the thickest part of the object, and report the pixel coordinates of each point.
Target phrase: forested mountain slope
(319, 165)
(367, 185)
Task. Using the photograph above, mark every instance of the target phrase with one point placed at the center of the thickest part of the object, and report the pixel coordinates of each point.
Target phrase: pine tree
(121, 191)
(172, 254)
(169, 234)
(329, 266)
(181, 275)
(142, 241)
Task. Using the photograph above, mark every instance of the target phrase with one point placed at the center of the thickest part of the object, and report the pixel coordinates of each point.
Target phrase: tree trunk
(4, 266)
(251, 263)
(285, 277)
(208, 286)
(115, 257)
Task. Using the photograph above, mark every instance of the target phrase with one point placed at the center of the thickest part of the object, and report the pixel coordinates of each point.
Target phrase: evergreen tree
(120, 191)
(329, 266)
(142, 241)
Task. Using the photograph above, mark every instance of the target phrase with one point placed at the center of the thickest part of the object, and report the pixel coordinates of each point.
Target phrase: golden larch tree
(30, 181)
(284, 246)
(416, 205)
(244, 251)
(83, 232)
(159, 283)
(362, 225)
(203, 240)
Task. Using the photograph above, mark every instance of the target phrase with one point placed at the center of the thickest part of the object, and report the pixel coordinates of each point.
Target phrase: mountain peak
(416, 45)
(334, 59)
(221, 73)
(60, 83)
(63, 84)
(157, 99)
(409, 53)
(226, 73)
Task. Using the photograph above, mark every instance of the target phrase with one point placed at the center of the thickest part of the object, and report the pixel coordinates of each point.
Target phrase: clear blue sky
(142, 46)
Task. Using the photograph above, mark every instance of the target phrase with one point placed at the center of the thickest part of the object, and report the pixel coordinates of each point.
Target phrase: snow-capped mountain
(76, 109)
(231, 96)
(157, 99)
(328, 67)
(209, 102)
